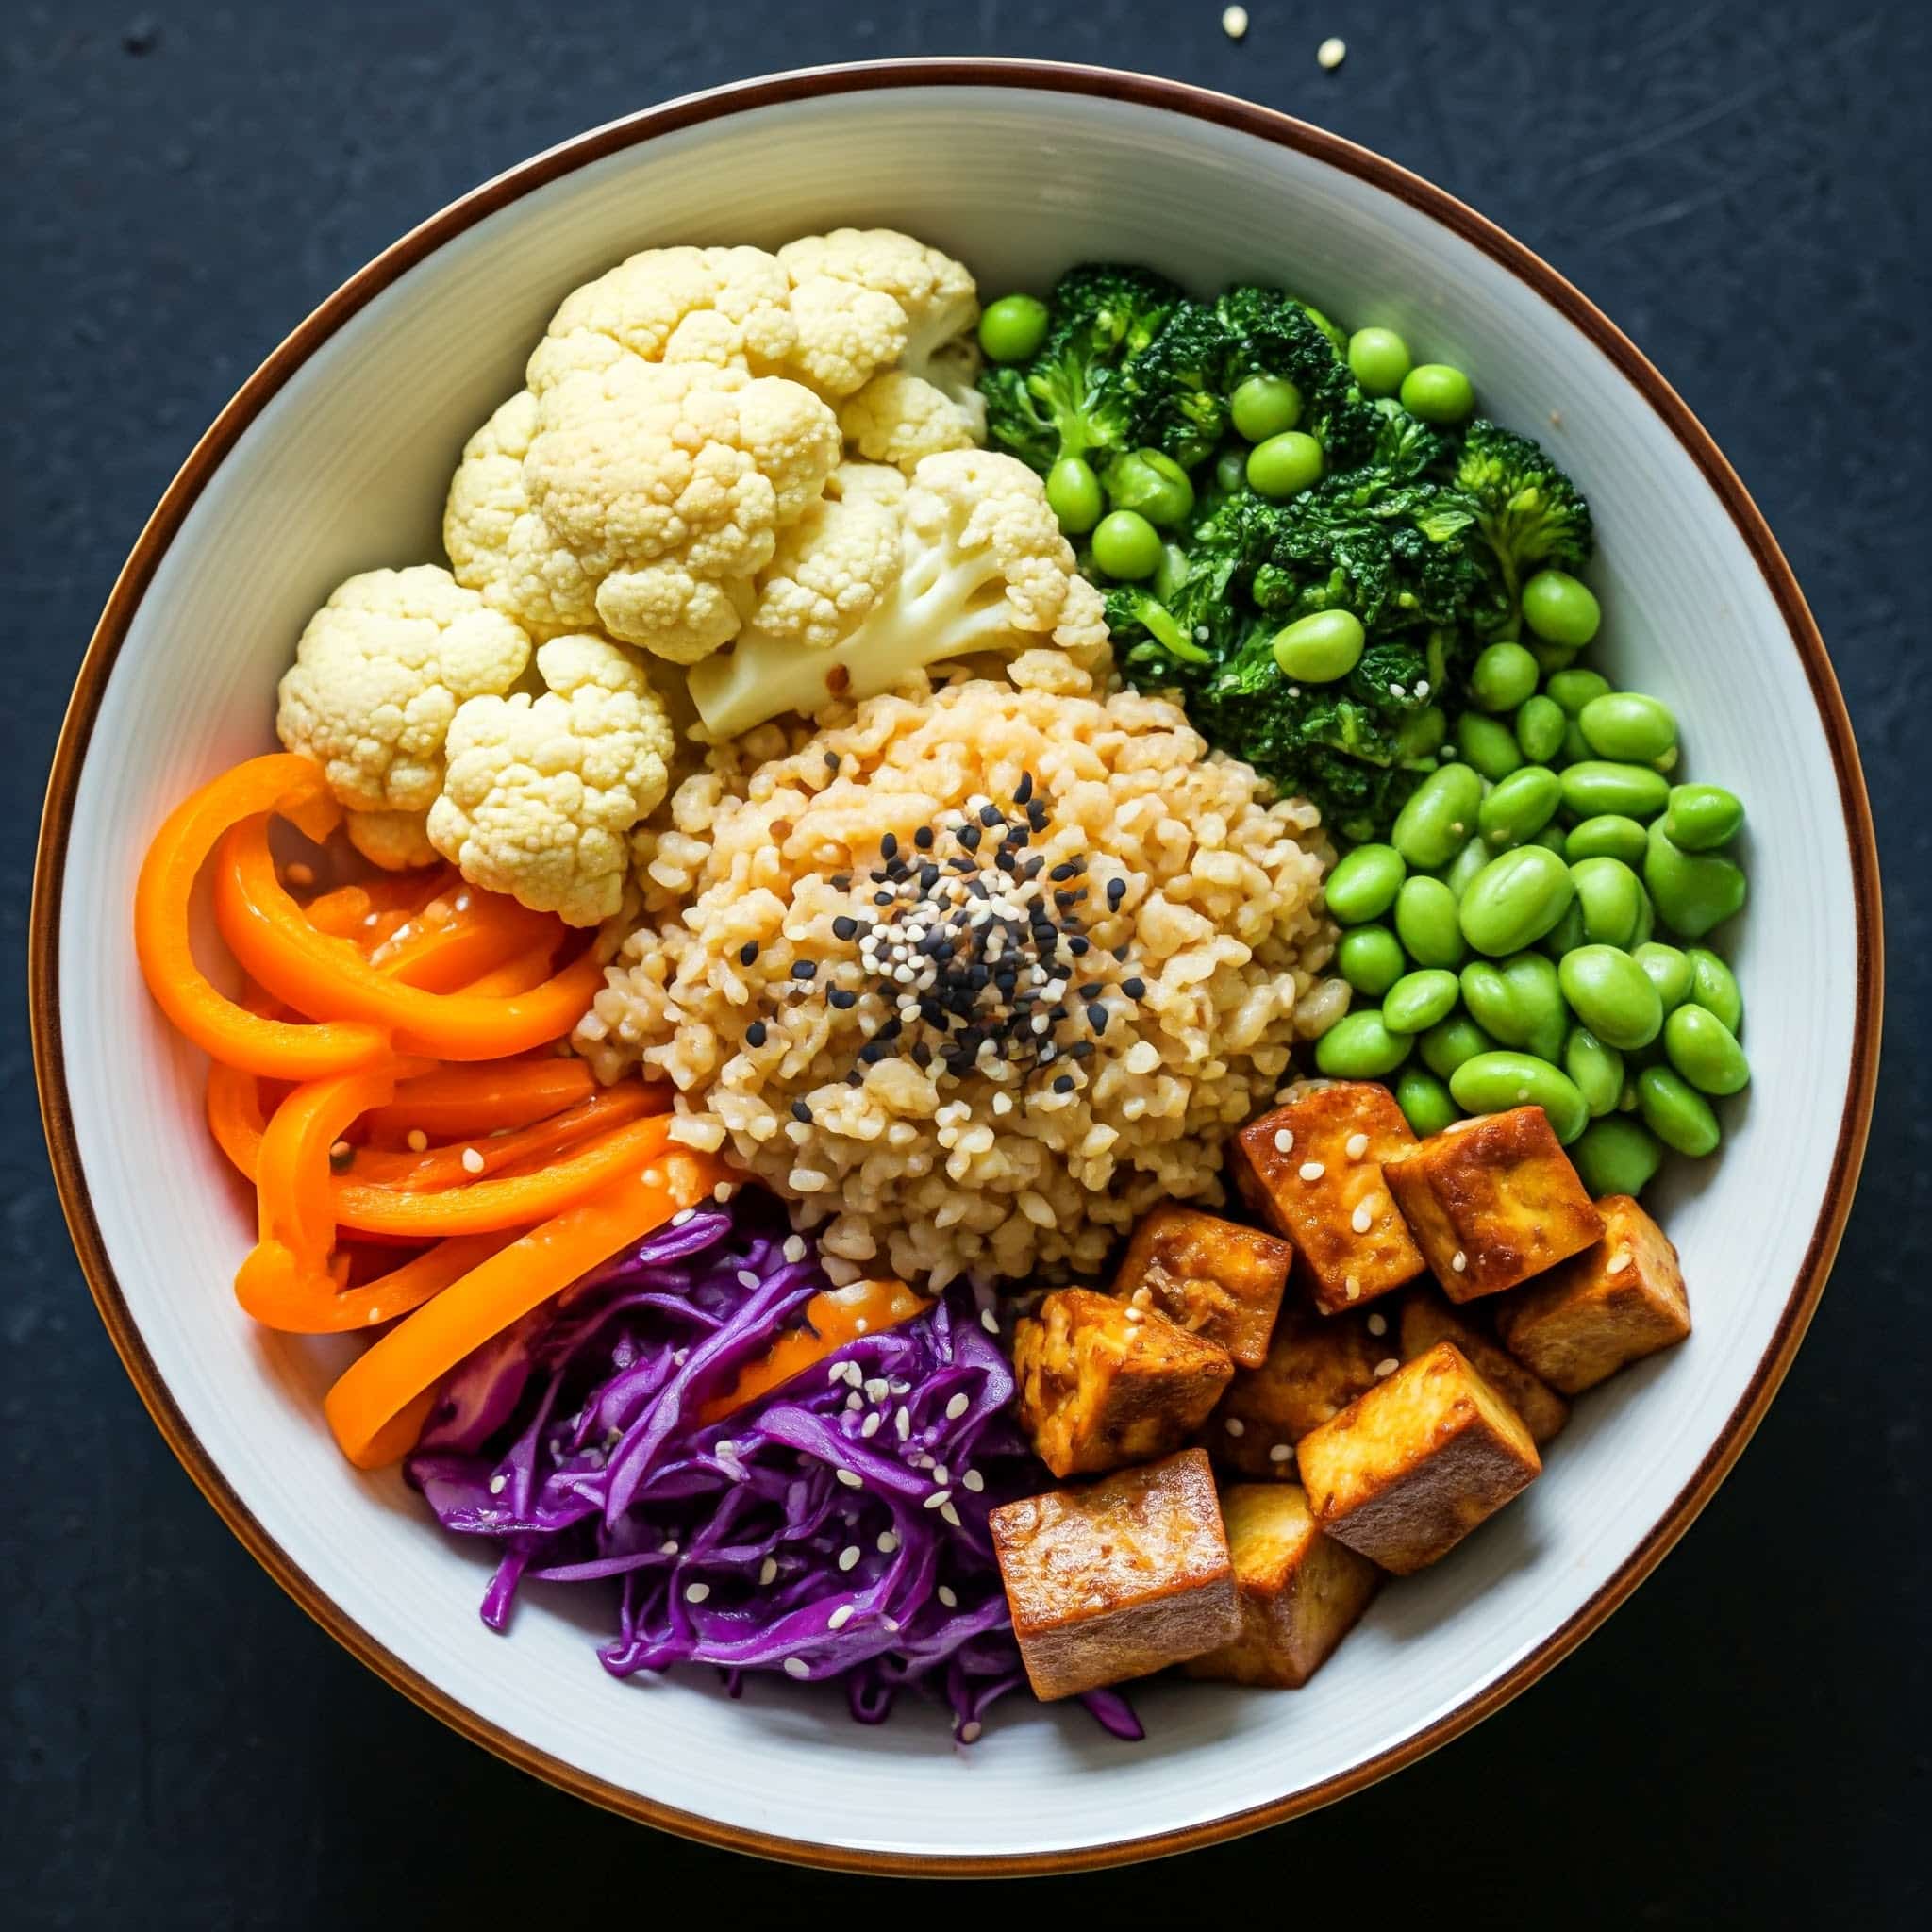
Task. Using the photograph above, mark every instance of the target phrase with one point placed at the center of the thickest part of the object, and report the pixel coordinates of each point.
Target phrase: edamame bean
(1012, 328)
(1520, 807)
(1550, 839)
(1489, 747)
(1150, 483)
(1126, 545)
(1611, 898)
(1629, 727)
(1378, 359)
(1632, 792)
(1612, 996)
(1609, 835)
(1555, 606)
(1426, 923)
(1502, 677)
(1360, 1047)
(1520, 1002)
(1370, 959)
(1364, 884)
(1424, 1101)
(1714, 986)
(1264, 406)
(1515, 899)
(1420, 734)
(1418, 1000)
(1676, 1113)
(1495, 1082)
(1436, 393)
(1285, 465)
(1595, 1071)
(1455, 1040)
(1539, 722)
(1695, 891)
(1550, 658)
(1700, 818)
(1465, 866)
(1072, 493)
(1575, 746)
(1668, 970)
(1616, 1156)
(1566, 935)
(1701, 1048)
(1320, 647)
(1572, 689)
(1439, 819)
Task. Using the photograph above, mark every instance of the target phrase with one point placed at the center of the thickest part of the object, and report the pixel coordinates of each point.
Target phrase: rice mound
(930, 1171)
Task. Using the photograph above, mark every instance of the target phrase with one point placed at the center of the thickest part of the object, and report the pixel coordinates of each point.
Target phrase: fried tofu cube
(1103, 1384)
(1609, 1306)
(1494, 1201)
(1117, 1578)
(1315, 1367)
(1312, 1170)
(1406, 1471)
(1299, 1591)
(1427, 1319)
(1215, 1277)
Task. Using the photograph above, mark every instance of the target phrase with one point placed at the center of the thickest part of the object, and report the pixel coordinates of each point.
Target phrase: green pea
(1425, 1102)
(1704, 1050)
(1556, 606)
(1631, 791)
(1609, 835)
(1455, 1040)
(1700, 818)
(1418, 1000)
(1126, 545)
(1420, 734)
(1370, 959)
(1264, 406)
(1629, 727)
(1572, 689)
(1151, 483)
(1502, 677)
(1320, 647)
(1515, 899)
(1520, 807)
(1668, 970)
(1539, 722)
(1595, 1070)
(1520, 1001)
(1439, 819)
(1611, 898)
(1438, 392)
(1072, 493)
(1426, 923)
(1714, 986)
(1676, 1113)
(1566, 935)
(1495, 1082)
(1360, 1047)
(1616, 1156)
(1012, 328)
(1378, 359)
(1364, 884)
(1285, 465)
(1487, 745)
(1464, 867)
(1612, 996)
(1551, 658)
(1695, 891)
(1230, 470)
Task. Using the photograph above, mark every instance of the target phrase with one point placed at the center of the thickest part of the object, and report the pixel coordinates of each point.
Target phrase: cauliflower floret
(670, 483)
(983, 567)
(900, 417)
(541, 793)
(378, 675)
(396, 841)
(835, 561)
(499, 545)
(730, 307)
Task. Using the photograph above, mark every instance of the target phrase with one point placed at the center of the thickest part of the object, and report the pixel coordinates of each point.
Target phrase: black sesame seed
(1080, 947)
(755, 1033)
(804, 969)
(872, 1051)
(1023, 790)
(1121, 952)
(928, 877)
(1096, 1017)
(889, 847)
(883, 898)
(969, 837)
(922, 1056)
(831, 758)
(854, 1078)
(840, 882)
(842, 999)
(1093, 989)
(1065, 896)
(1116, 892)
(1037, 815)
(1134, 988)
(801, 1112)
(748, 951)
(1064, 1084)
(922, 838)
(990, 815)
(1063, 871)
(1081, 1049)
(1004, 859)
(1016, 835)
(845, 927)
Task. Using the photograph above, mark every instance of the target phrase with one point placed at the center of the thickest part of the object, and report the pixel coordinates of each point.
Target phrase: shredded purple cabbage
(570, 1441)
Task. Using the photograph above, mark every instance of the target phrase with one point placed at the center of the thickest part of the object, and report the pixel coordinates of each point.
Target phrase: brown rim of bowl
(1176, 97)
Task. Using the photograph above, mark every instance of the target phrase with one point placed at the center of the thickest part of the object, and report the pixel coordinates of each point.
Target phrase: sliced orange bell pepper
(831, 1320)
(465, 1162)
(481, 1097)
(460, 936)
(346, 911)
(281, 1298)
(525, 973)
(377, 1407)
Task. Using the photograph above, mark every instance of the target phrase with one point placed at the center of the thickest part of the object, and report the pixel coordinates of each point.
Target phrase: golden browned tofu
(1610, 1305)
(1299, 1591)
(1103, 1383)
(1215, 1277)
(1427, 1319)
(1315, 1368)
(1404, 1473)
(1312, 1170)
(1494, 1201)
(1117, 1578)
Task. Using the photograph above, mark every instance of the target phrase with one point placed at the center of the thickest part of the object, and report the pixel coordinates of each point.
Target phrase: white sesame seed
(1421, 686)
(875, 1389)
(416, 1140)
(1133, 1316)
(1458, 1260)
(472, 1161)
(870, 1426)
(1331, 52)
(1284, 1141)
(902, 1421)
(300, 874)
(1361, 1220)
(840, 1617)
(851, 1478)
(723, 1192)
(668, 1547)
(374, 919)
(696, 1592)
(794, 1249)
(747, 1278)
(1233, 23)
(972, 1479)
(948, 1596)
(1357, 1146)
(958, 1407)
(1617, 1263)
(768, 1572)
(969, 1731)
(340, 1151)
(1352, 1287)
(890, 1625)
(1312, 1170)
(797, 1667)
(951, 1515)
(1281, 1452)
(1378, 1324)
(938, 1500)
(848, 1556)
(941, 1475)
(899, 1388)
(1387, 1366)
(682, 1215)
(854, 1404)
(1234, 1426)
(498, 1484)
(887, 1542)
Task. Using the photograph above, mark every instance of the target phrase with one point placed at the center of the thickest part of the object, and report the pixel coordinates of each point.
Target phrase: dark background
(1745, 1743)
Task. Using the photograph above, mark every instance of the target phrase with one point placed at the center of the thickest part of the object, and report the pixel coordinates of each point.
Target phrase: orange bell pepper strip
(457, 938)
(234, 1115)
(294, 786)
(525, 973)
(296, 1305)
(831, 1320)
(482, 1098)
(345, 912)
(377, 1408)
(330, 979)
(465, 1162)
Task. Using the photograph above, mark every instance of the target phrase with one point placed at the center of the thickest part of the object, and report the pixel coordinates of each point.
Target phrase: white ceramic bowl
(335, 458)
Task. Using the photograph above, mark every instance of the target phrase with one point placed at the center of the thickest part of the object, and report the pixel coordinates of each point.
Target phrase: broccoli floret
(1528, 513)
(1177, 386)
(1272, 334)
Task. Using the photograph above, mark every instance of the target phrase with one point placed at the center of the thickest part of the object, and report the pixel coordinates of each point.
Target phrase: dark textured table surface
(1738, 184)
